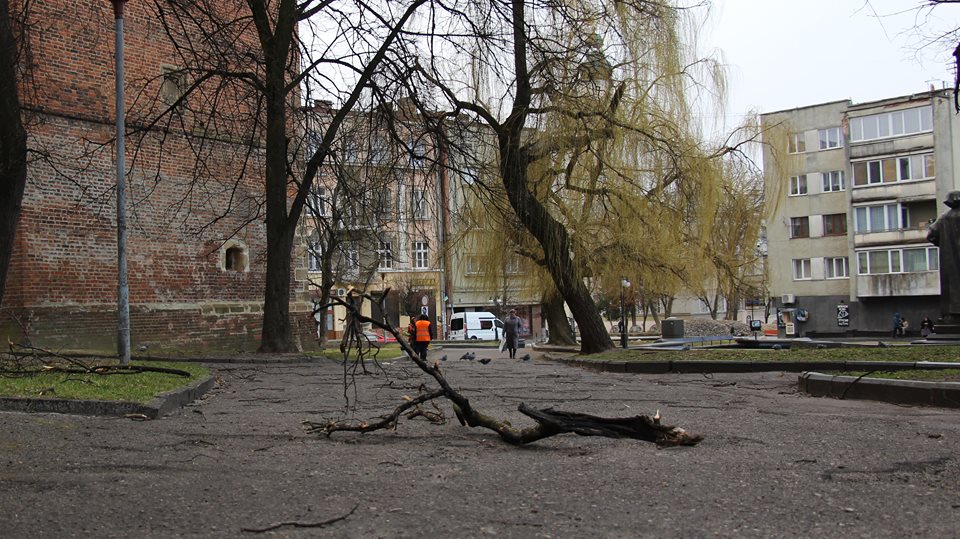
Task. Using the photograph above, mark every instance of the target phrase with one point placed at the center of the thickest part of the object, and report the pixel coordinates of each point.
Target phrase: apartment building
(851, 189)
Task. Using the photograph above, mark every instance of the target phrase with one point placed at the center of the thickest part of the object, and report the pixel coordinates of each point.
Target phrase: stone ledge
(943, 394)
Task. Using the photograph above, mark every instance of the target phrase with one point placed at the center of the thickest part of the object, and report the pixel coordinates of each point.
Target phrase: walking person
(511, 332)
(896, 325)
(423, 334)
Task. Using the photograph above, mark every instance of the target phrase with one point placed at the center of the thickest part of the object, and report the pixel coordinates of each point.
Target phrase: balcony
(896, 236)
(925, 283)
(904, 190)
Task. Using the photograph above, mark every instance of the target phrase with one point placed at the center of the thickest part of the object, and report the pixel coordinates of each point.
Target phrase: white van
(481, 326)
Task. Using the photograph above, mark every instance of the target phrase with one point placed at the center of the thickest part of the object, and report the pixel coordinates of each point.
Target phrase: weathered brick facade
(63, 278)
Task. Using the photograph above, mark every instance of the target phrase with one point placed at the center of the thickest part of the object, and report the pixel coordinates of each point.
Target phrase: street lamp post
(624, 284)
(123, 294)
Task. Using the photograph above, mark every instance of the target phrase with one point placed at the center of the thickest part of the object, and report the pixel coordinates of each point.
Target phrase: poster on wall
(843, 315)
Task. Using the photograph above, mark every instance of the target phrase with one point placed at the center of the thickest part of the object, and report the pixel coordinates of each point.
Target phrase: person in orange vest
(423, 335)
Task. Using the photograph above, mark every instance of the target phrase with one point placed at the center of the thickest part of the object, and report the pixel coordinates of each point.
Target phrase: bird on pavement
(468, 355)
(485, 360)
(526, 357)
(443, 357)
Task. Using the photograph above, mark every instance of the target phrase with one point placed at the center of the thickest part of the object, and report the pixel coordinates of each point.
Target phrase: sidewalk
(774, 463)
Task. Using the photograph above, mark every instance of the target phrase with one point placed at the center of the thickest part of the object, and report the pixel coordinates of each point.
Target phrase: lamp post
(123, 297)
(624, 284)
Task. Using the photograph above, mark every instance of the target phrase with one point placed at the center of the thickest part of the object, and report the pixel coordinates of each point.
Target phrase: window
(383, 203)
(879, 218)
(796, 143)
(385, 255)
(173, 86)
(899, 260)
(352, 256)
(314, 252)
(799, 227)
(417, 154)
(898, 123)
(513, 265)
(801, 269)
(234, 256)
(833, 181)
(320, 204)
(419, 201)
(835, 224)
(798, 185)
(420, 254)
(894, 169)
(835, 268)
(473, 264)
(829, 138)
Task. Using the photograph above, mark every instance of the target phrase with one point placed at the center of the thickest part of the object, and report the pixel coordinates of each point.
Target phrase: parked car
(475, 326)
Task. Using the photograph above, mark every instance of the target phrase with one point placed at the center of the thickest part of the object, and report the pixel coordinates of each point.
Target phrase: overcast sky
(789, 53)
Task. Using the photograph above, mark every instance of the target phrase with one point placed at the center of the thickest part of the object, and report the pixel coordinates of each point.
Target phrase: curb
(161, 405)
(942, 394)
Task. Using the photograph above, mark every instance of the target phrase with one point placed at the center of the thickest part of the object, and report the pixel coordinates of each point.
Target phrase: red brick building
(196, 234)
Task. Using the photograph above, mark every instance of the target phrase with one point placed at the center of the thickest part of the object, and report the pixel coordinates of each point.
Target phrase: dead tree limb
(549, 422)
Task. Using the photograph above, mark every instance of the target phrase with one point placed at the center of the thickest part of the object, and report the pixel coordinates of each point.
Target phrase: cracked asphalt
(774, 462)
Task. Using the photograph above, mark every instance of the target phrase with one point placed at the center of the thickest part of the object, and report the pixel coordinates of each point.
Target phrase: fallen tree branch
(549, 422)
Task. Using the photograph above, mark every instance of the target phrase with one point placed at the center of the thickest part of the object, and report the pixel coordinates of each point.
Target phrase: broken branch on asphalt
(549, 422)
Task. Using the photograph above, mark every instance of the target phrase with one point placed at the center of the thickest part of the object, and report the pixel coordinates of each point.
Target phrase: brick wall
(63, 276)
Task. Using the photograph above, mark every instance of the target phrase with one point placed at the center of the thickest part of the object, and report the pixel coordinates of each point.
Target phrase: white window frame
(798, 185)
(897, 210)
(421, 255)
(833, 181)
(891, 124)
(796, 143)
(895, 260)
(802, 269)
(837, 267)
(385, 255)
(419, 202)
(829, 138)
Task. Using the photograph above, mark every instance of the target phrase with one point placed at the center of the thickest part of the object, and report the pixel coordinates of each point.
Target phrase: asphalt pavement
(238, 463)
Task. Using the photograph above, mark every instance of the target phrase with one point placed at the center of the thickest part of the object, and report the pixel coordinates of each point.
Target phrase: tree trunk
(277, 333)
(561, 334)
(13, 145)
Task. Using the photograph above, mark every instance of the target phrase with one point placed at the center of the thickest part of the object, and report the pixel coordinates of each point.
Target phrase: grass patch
(137, 387)
(847, 353)
(925, 375)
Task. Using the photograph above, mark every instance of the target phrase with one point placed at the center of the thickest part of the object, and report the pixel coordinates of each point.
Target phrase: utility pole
(123, 292)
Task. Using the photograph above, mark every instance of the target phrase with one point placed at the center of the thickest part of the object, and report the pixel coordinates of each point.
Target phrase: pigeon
(882, 344)
(468, 355)
(686, 347)
(143, 348)
(777, 347)
(526, 357)
(485, 360)
(443, 357)
(821, 346)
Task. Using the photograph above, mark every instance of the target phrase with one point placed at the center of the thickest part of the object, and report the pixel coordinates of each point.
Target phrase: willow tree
(586, 101)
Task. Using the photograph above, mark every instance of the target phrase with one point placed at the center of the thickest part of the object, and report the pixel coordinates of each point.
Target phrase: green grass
(137, 387)
(952, 375)
(847, 353)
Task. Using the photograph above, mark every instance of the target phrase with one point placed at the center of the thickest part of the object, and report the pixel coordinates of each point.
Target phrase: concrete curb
(160, 405)
(943, 394)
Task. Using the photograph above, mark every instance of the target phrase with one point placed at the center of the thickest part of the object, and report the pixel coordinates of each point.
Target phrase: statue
(945, 234)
